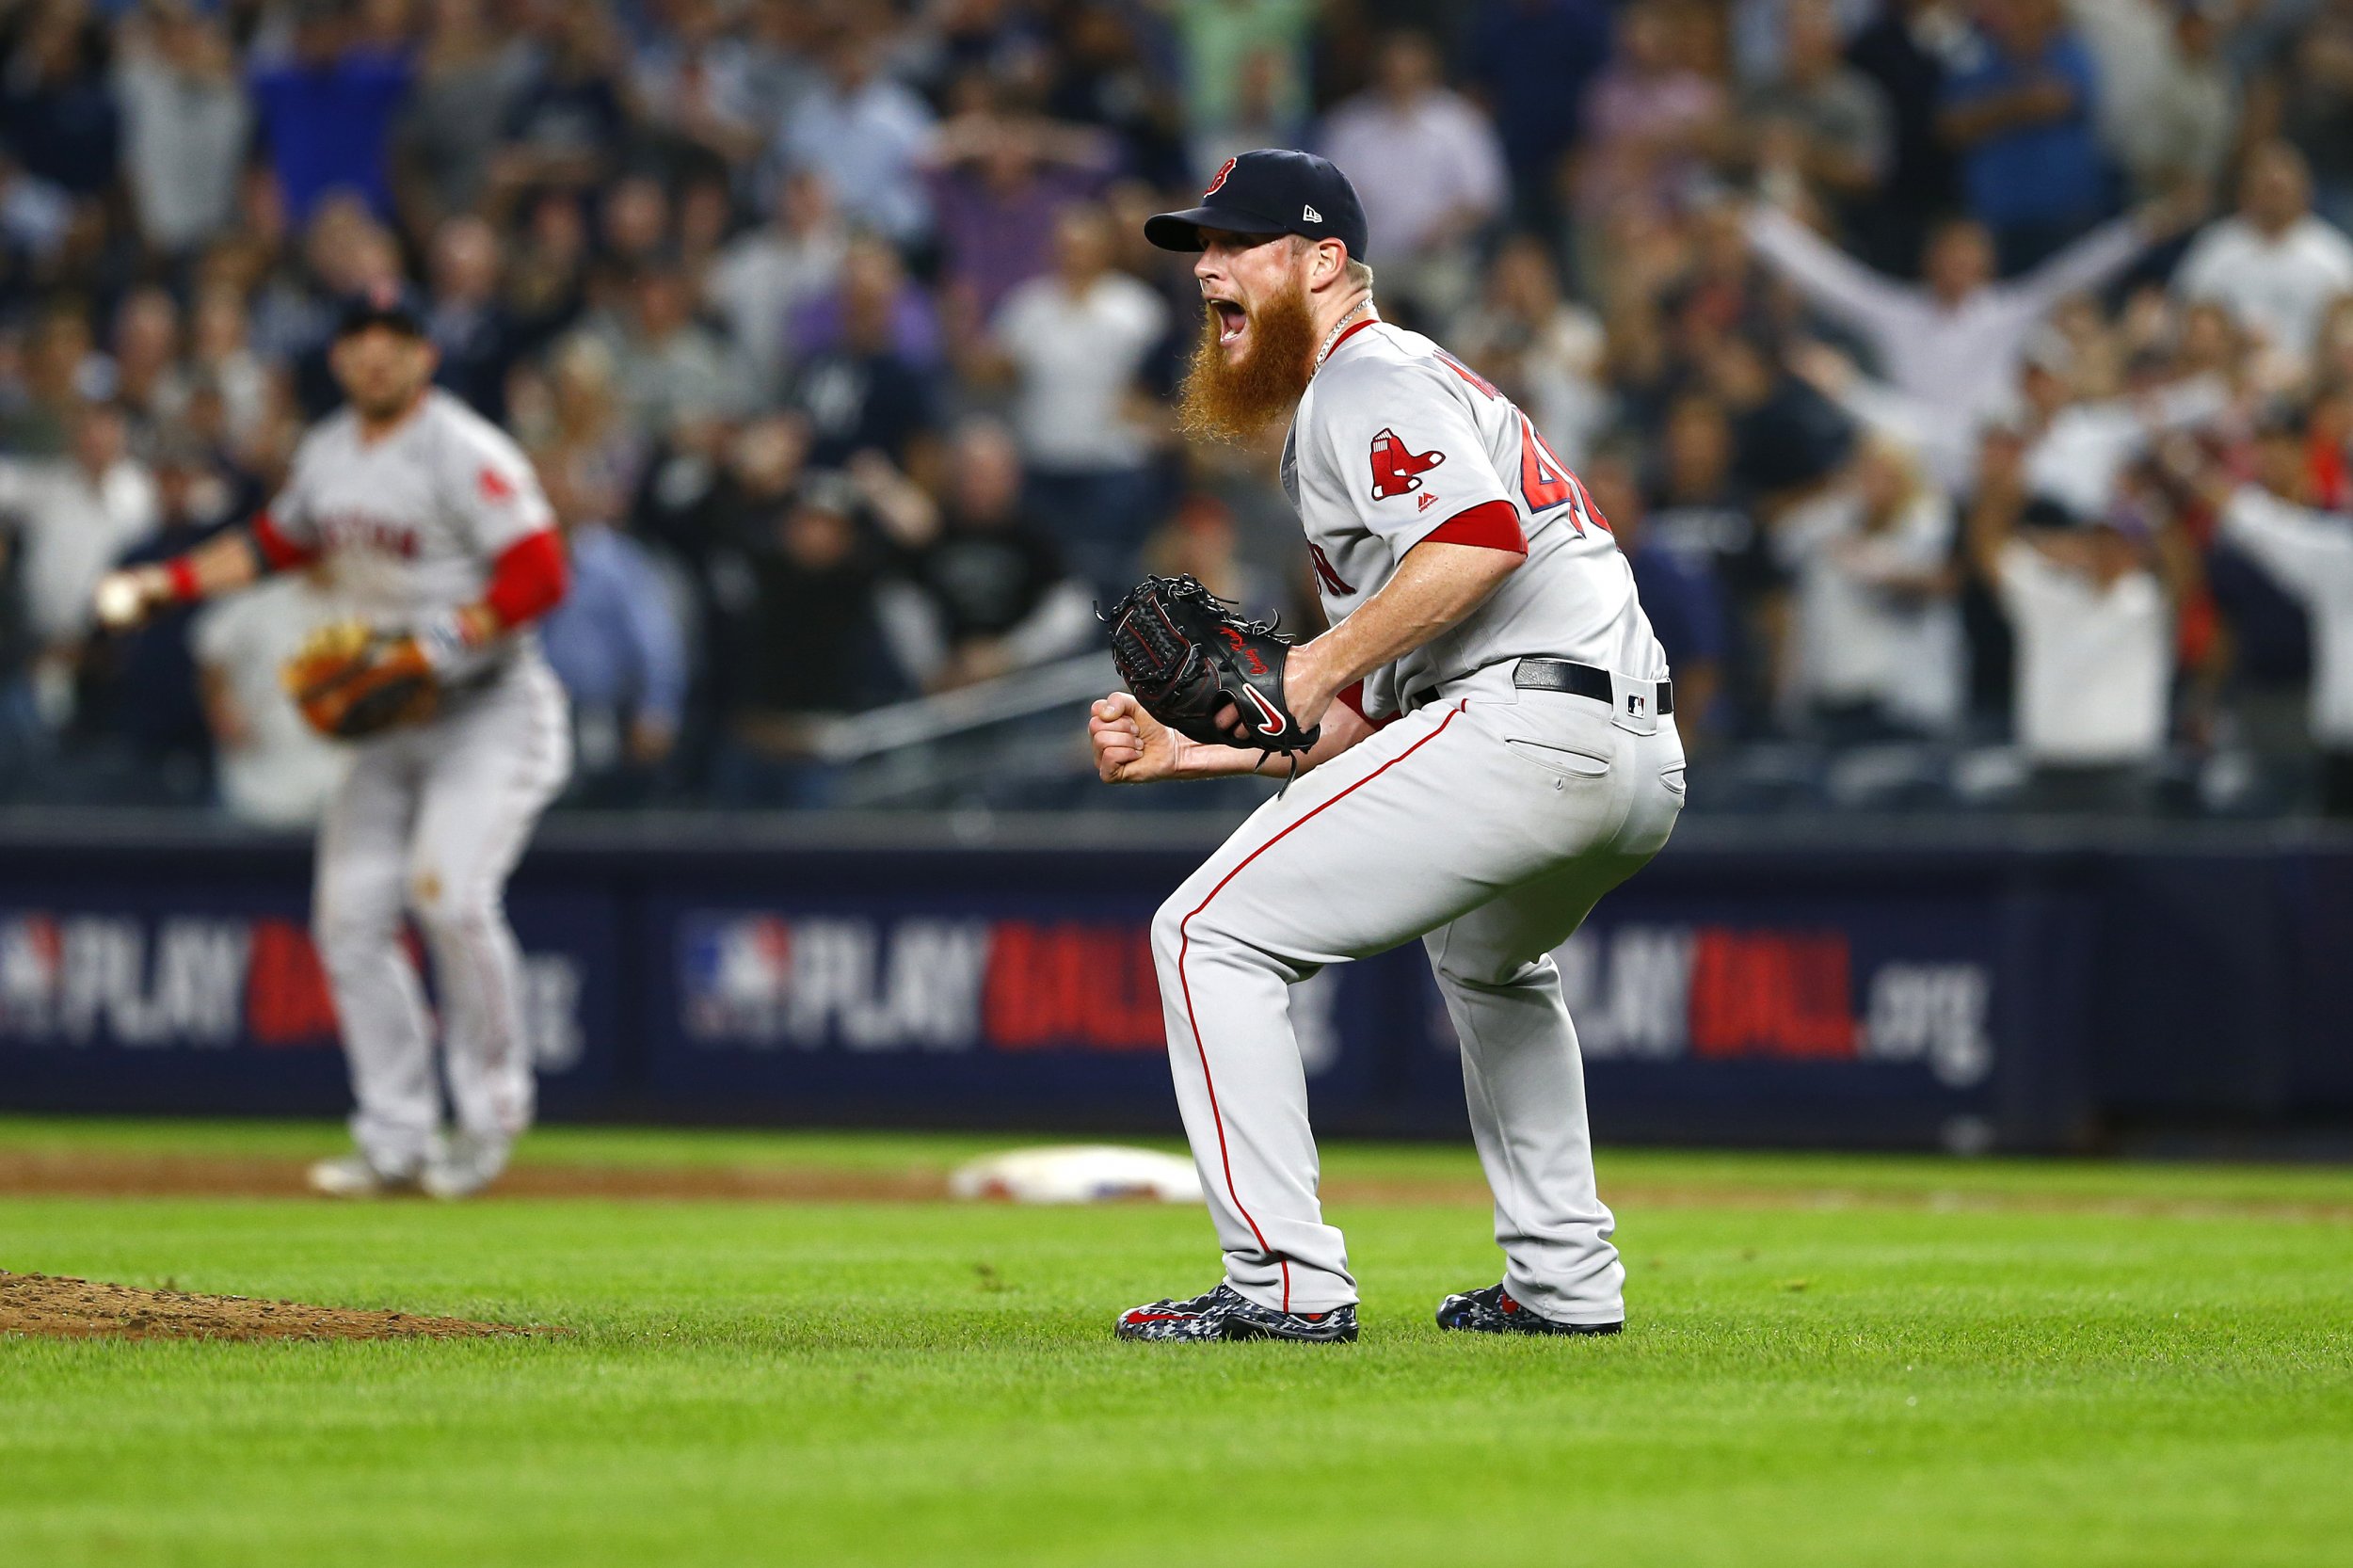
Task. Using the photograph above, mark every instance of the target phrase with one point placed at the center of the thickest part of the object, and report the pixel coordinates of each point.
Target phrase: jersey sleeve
(287, 530)
(1403, 449)
(495, 492)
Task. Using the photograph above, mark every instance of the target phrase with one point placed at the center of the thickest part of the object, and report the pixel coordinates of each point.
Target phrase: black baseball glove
(1185, 655)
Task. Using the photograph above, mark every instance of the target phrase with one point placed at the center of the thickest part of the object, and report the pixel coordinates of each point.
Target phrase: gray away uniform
(1486, 820)
(431, 817)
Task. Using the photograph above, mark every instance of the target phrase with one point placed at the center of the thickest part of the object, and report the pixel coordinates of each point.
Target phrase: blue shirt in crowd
(615, 640)
(2035, 174)
(329, 129)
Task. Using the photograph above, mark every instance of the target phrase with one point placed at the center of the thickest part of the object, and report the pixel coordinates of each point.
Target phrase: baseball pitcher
(1481, 746)
(433, 525)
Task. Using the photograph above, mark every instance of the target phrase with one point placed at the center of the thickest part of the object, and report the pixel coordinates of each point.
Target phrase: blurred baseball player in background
(435, 529)
(1498, 752)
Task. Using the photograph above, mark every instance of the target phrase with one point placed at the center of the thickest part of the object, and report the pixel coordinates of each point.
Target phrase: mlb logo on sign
(848, 980)
(32, 959)
(738, 975)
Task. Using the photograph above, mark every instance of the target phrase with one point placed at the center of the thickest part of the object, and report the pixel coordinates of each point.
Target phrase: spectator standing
(1878, 648)
(59, 106)
(469, 76)
(2308, 552)
(186, 127)
(1222, 43)
(273, 770)
(765, 275)
(1698, 512)
(144, 373)
(2309, 88)
(615, 643)
(2276, 266)
(2021, 119)
(1648, 119)
(1907, 49)
(327, 112)
(865, 387)
(1001, 181)
(2092, 626)
(866, 136)
(1535, 60)
(76, 514)
(1441, 174)
(695, 79)
(1679, 592)
(670, 365)
(150, 694)
(1951, 343)
(1820, 119)
(809, 650)
(1200, 539)
(1075, 343)
(567, 126)
(1548, 352)
(465, 318)
(2168, 100)
(992, 579)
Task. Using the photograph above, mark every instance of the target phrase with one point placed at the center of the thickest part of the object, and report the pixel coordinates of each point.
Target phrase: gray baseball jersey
(430, 819)
(1397, 441)
(412, 521)
(1485, 820)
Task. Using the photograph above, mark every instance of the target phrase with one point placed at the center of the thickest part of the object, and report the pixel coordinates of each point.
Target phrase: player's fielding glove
(1186, 655)
(351, 680)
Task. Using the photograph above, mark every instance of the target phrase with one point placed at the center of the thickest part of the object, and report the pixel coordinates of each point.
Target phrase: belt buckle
(1633, 704)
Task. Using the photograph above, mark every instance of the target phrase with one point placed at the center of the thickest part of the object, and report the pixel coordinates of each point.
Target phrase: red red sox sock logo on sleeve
(1396, 471)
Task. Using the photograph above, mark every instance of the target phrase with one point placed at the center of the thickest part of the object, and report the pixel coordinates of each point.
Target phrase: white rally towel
(1078, 1173)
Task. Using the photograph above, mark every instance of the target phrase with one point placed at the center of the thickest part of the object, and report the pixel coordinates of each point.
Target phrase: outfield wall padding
(1838, 984)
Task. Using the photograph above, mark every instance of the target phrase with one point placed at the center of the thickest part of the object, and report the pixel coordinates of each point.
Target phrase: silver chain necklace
(1333, 336)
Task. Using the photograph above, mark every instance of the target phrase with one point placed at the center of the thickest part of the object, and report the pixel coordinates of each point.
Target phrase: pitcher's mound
(64, 1307)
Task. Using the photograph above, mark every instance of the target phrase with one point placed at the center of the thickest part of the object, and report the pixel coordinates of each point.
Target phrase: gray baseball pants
(1488, 824)
(430, 820)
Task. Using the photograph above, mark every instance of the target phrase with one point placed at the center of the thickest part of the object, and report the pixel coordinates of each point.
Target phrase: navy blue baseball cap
(384, 305)
(1271, 191)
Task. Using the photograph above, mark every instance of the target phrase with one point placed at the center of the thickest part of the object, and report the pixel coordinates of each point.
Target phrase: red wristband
(182, 575)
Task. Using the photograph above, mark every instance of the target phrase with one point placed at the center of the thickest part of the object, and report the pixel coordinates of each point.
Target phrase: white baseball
(120, 602)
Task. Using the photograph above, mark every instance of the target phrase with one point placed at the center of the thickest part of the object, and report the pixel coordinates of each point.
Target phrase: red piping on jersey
(528, 579)
(1347, 335)
(279, 553)
(1184, 945)
(1490, 525)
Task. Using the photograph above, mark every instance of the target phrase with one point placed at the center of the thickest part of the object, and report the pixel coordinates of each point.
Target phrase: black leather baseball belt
(1562, 675)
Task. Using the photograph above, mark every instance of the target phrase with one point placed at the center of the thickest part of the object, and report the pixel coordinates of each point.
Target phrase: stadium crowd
(1969, 382)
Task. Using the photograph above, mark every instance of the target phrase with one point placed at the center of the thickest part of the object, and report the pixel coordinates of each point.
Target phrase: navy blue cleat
(1494, 1311)
(1225, 1313)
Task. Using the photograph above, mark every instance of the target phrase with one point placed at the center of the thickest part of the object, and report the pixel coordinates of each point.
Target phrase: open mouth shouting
(1232, 320)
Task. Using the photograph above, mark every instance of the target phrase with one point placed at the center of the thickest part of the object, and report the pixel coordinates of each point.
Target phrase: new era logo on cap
(1309, 214)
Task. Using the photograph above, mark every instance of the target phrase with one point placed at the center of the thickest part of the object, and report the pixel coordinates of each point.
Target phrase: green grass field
(1829, 1360)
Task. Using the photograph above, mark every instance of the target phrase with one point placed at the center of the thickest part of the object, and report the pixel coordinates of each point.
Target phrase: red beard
(1224, 402)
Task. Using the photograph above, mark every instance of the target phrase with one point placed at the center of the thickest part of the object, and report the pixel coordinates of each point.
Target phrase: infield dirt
(61, 1306)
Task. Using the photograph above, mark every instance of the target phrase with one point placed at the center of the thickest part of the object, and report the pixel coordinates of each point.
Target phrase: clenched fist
(1130, 745)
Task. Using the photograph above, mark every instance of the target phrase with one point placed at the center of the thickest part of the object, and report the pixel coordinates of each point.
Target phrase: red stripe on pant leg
(1184, 982)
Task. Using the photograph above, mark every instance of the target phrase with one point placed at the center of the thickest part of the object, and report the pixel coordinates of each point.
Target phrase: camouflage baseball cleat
(1225, 1313)
(1494, 1311)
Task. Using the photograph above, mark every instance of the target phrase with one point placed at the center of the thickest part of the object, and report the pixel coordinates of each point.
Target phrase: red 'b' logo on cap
(1218, 180)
